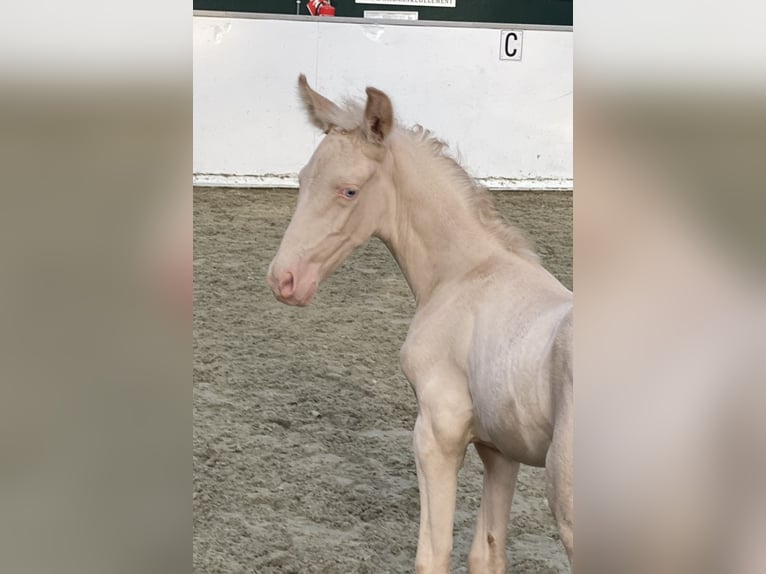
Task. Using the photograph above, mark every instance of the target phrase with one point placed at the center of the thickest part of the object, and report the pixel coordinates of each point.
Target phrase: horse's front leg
(487, 554)
(439, 441)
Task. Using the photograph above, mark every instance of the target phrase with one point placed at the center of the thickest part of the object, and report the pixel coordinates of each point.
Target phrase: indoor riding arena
(303, 419)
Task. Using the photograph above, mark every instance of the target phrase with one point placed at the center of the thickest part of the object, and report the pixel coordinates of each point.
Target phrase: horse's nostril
(286, 284)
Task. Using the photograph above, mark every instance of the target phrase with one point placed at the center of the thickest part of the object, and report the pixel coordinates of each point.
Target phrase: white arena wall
(509, 121)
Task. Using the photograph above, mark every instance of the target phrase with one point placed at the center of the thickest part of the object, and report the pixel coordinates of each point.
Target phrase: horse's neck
(433, 233)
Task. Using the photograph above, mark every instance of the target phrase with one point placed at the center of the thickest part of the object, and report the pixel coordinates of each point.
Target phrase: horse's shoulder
(436, 339)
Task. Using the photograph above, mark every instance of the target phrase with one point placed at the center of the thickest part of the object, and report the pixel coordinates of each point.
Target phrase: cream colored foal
(489, 350)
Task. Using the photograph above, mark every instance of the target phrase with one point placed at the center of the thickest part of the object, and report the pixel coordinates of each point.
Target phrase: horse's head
(344, 191)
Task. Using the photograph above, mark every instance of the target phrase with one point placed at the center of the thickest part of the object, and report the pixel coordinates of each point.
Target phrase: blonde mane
(350, 116)
(478, 196)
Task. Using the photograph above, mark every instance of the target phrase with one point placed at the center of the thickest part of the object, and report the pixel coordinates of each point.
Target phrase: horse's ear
(322, 112)
(378, 116)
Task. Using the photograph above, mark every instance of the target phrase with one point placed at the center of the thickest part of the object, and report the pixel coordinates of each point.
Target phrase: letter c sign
(510, 44)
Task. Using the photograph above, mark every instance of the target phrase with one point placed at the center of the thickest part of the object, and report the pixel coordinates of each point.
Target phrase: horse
(489, 349)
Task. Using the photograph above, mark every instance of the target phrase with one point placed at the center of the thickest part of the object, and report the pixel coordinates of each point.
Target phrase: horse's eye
(350, 193)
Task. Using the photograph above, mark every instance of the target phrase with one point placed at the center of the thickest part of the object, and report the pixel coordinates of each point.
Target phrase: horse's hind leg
(559, 467)
(487, 554)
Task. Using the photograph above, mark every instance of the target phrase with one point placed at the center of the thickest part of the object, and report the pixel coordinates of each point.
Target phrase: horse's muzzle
(288, 289)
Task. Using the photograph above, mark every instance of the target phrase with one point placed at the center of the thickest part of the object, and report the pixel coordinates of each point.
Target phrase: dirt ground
(302, 419)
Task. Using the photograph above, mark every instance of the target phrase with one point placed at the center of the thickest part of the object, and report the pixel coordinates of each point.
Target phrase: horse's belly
(515, 424)
(510, 384)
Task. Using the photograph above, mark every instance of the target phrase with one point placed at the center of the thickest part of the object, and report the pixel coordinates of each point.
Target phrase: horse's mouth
(295, 300)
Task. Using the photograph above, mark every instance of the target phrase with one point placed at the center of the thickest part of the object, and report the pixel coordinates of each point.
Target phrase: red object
(320, 8)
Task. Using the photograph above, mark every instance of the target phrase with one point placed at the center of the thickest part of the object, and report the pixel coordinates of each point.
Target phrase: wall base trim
(291, 182)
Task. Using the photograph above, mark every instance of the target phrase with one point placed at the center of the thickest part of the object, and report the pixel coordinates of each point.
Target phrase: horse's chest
(436, 342)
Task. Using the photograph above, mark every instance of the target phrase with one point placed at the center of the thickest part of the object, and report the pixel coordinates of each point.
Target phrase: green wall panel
(550, 12)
